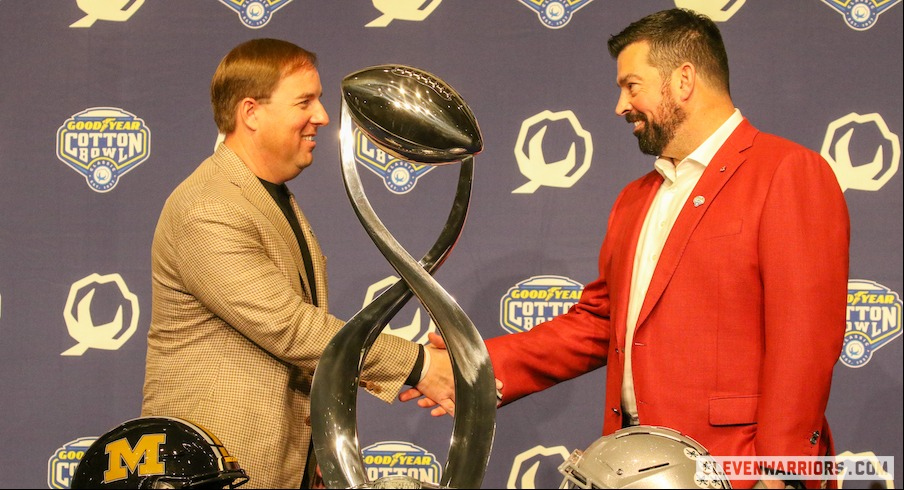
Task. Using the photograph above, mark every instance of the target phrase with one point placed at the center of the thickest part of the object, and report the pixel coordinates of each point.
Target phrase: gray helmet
(643, 456)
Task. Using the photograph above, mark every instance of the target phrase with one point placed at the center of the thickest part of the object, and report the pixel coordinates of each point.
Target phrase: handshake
(436, 389)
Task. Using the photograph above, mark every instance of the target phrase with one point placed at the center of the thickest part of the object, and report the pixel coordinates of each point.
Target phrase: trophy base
(398, 481)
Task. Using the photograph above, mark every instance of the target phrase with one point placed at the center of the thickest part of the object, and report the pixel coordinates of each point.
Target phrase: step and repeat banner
(104, 109)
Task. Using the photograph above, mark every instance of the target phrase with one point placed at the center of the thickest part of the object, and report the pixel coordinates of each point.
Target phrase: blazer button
(370, 386)
(815, 437)
(307, 421)
(615, 411)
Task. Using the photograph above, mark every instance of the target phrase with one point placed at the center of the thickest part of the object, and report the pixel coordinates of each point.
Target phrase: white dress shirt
(679, 181)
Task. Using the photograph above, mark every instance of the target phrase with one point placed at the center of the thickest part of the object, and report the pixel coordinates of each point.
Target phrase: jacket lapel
(257, 196)
(631, 215)
(723, 165)
(316, 255)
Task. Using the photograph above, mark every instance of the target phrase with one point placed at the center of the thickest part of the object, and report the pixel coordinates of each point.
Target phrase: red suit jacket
(744, 317)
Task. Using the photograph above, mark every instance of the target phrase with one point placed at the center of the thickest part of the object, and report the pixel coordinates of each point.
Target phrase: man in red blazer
(720, 305)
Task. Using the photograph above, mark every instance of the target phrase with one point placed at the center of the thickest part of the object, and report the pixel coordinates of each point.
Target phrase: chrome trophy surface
(412, 115)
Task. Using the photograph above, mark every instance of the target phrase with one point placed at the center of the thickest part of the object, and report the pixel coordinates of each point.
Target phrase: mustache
(632, 117)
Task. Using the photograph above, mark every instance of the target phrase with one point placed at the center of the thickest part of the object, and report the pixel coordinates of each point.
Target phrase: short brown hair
(676, 36)
(253, 69)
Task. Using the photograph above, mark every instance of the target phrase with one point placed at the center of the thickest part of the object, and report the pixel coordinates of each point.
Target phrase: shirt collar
(705, 152)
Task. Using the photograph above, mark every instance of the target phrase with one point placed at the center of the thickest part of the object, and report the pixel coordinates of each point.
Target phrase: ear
(246, 113)
(684, 80)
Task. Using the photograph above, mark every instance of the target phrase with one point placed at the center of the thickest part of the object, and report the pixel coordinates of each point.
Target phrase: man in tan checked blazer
(240, 308)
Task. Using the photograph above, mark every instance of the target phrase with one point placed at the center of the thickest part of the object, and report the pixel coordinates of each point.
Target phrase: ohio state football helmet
(643, 457)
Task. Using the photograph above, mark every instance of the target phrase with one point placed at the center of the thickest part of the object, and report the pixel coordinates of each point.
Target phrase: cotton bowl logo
(396, 458)
(399, 175)
(555, 13)
(537, 300)
(255, 13)
(103, 144)
(61, 466)
(861, 14)
(873, 320)
(81, 326)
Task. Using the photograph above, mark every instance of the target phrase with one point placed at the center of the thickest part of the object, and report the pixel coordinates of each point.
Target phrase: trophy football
(415, 116)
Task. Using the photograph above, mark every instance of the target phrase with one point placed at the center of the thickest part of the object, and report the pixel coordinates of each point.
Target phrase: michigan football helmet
(643, 457)
(158, 452)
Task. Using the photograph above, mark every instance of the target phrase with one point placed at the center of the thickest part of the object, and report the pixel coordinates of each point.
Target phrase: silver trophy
(415, 116)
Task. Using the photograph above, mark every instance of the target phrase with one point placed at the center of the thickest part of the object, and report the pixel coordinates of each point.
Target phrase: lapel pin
(698, 201)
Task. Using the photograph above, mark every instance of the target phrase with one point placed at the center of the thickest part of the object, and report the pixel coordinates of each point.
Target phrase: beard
(654, 136)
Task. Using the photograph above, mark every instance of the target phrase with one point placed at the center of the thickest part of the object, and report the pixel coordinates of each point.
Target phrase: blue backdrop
(104, 109)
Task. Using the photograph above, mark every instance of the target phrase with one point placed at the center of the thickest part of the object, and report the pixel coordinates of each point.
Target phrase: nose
(622, 107)
(321, 118)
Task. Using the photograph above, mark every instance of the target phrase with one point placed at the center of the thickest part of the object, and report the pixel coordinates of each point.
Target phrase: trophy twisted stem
(335, 385)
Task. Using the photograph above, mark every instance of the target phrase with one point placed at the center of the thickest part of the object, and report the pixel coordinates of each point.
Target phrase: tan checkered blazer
(234, 339)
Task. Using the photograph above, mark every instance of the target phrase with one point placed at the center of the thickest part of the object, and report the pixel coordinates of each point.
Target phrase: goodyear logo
(61, 466)
(860, 15)
(537, 300)
(555, 13)
(399, 176)
(396, 458)
(873, 320)
(255, 13)
(103, 144)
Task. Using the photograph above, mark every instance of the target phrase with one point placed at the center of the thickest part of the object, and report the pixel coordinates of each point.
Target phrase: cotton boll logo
(80, 319)
(871, 463)
(537, 467)
(112, 10)
(882, 147)
(412, 10)
(415, 331)
(533, 164)
(718, 11)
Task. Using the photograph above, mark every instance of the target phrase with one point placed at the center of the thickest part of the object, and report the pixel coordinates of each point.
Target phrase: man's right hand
(439, 381)
(437, 387)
